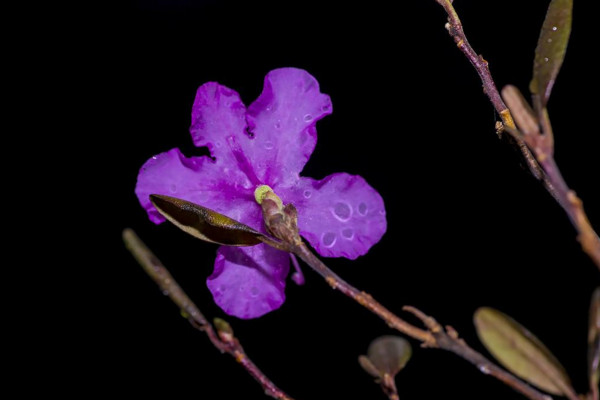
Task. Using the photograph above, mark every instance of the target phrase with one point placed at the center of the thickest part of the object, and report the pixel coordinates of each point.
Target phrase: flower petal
(201, 181)
(248, 282)
(340, 216)
(283, 120)
(217, 113)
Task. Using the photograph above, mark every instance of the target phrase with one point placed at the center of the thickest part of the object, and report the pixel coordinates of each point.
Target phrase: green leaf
(594, 340)
(520, 351)
(205, 224)
(386, 355)
(551, 48)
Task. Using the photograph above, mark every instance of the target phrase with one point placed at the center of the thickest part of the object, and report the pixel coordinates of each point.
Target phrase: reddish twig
(222, 338)
(455, 29)
(542, 144)
(542, 165)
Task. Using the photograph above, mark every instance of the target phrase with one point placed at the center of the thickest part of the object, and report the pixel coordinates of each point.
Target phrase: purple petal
(340, 215)
(248, 282)
(217, 113)
(201, 181)
(283, 121)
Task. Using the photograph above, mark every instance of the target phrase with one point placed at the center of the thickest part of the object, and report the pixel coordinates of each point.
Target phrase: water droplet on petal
(484, 369)
(328, 239)
(342, 211)
(218, 144)
(307, 194)
(308, 117)
(253, 291)
(326, 107)
(173, 188)
(362, 209)
(554, 28)
(154, 157)
(348, 233)
(221, 289)
(278, 124)
(546, 59)
(268, 145)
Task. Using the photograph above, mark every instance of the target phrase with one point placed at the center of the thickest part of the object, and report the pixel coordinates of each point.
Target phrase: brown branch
(362, 298)
(435, 336)
(542, 144)
(222, 338)
(455, 29)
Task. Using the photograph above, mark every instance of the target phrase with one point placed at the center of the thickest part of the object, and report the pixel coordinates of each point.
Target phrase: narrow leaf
(520, 351)
(389, 354)
(551, 48)
(205, 224)
(594, 341)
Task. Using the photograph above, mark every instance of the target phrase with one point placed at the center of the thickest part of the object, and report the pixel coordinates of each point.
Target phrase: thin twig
(222, 338)
(455, 29)
(542, 165)
(435, 336)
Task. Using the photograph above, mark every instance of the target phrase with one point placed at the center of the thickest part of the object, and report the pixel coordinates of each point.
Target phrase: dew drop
(268, 145)
(278, 124)
(546, 59)
(484, 369)
(308, 118)
(154, 157)
(362, 209)
(218, 144)
(328, 239)
(307, 194)
(554, 28)
(253, 291)
(549, 40)
(326, 107)
(342, 211)
(221, 289)
(348, 233)
(173, 188)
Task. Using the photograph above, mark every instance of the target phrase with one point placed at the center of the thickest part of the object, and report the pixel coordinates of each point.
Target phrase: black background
(467, 225)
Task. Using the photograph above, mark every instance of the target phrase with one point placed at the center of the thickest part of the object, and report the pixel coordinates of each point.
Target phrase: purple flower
(266, 144)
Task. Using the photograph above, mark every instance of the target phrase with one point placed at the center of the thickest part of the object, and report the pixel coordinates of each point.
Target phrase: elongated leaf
(520, 351)
(205, 224)
(594, 340)
(551, 47)
(386, 355)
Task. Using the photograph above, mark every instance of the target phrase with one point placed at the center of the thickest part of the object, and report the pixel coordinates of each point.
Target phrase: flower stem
(221, 337)
(435, 335)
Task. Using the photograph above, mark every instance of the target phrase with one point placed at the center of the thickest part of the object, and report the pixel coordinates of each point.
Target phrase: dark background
(467, 225)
